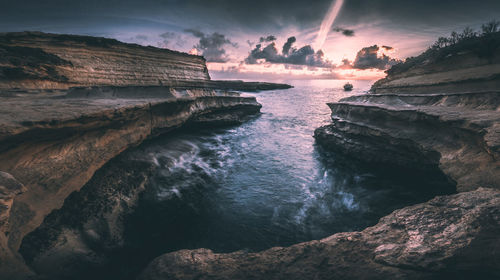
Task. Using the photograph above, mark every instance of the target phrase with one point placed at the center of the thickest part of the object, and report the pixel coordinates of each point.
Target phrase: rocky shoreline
(457, 133)
(61, 126)
(74, 103)
(55, 151)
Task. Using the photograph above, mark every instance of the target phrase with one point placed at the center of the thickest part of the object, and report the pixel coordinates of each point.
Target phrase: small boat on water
(348, 87)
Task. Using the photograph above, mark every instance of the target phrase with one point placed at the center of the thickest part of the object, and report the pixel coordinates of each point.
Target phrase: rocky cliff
(49, 61)
(69, 104)
(430, 112)
(53, 145)
(469, 65)
(40, 61)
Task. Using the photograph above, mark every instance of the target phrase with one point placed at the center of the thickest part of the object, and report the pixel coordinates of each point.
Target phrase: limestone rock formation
(90, 226)
(458, 133)
(38, 60)
(41, 61)
(443, 113)
(56, 150)
(454, 236)
(69, 104)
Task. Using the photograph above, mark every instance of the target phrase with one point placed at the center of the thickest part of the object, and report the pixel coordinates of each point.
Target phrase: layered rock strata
(442, 113)
(69, 104)
(38, 61)
(458, 133)
(34, 60)
(53, 145)
(449, 237)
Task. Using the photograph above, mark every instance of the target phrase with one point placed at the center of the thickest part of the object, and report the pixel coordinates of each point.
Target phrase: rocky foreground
(449, 237)
(69, 104)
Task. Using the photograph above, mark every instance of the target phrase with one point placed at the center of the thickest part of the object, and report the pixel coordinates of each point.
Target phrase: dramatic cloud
(346, 64)
(369, 57)
(288, 45)
(345, 32)
(267, 39)
(211, 46)
(304, 56)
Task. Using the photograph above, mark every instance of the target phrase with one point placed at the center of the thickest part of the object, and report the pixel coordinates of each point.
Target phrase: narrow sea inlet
(250, 187)
(264, 183)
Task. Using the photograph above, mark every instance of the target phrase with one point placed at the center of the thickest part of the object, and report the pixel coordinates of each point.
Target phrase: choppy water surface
(262, 184)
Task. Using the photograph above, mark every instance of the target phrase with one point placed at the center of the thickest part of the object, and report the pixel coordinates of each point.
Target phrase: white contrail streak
(326, 25)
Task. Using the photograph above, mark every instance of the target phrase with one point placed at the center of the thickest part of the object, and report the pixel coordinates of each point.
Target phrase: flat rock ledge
(454, 236)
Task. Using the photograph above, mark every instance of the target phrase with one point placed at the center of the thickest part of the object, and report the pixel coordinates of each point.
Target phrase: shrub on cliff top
(484, 44)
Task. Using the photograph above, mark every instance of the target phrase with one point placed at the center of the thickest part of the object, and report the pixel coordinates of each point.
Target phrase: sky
(263, 39)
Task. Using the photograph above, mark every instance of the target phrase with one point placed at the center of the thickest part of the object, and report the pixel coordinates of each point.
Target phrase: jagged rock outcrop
(88, 232)
(454, 237)
(69, 104)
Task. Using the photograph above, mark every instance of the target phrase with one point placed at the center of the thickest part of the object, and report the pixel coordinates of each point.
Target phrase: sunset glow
(340, 29)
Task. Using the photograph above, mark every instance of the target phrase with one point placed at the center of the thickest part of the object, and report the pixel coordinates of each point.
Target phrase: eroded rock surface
(35, 60)
(458, 133)
(449, 236)
(9, 188)
(443, 113)
(54, 145)
(40, 61)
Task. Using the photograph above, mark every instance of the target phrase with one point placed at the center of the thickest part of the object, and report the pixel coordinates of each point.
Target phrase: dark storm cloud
(267, 39)
(304, 56)
(368, 58)
(344, 31)
(211, 46)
